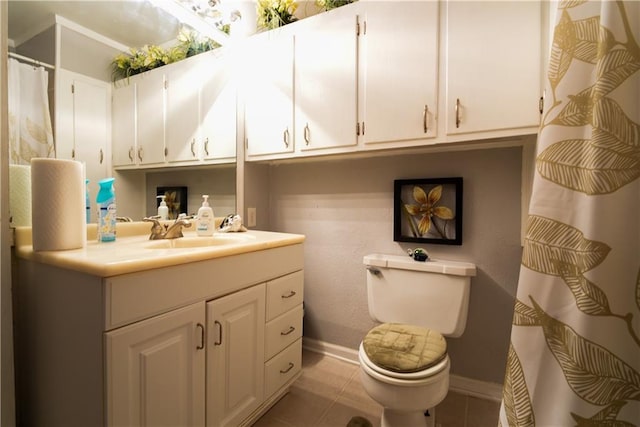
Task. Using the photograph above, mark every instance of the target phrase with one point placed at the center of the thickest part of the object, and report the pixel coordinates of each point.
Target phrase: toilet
(404, 364)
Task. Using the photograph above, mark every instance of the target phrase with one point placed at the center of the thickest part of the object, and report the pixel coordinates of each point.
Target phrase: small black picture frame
(428, 210)
(176, 199)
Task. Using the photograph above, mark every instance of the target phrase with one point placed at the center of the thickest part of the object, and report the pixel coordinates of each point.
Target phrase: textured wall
(345, 208)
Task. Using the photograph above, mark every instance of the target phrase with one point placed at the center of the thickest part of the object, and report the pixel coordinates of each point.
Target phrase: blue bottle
(106, 201)
(87, 200)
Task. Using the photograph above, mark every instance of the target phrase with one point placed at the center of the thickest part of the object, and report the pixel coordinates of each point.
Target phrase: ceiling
(133, 23)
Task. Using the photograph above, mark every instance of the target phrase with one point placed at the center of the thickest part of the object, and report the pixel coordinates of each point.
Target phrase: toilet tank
(433, 294)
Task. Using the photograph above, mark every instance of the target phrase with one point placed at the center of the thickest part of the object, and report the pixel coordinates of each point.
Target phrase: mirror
(130, 23)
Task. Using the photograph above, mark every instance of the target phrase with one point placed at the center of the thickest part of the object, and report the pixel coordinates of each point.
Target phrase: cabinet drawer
(282, 331)
(284, 293)
(282, 368)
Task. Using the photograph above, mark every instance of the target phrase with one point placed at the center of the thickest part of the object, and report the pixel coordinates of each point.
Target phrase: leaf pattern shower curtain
(574, 356)
(30, 132)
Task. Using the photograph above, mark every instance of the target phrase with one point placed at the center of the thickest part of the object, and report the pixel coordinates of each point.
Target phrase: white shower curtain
(30, 132)
(574, 356)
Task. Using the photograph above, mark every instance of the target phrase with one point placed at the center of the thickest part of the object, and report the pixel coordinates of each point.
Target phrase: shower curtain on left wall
(30, 132)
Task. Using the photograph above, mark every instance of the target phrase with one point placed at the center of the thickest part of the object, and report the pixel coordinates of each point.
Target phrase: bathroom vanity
(191, 332)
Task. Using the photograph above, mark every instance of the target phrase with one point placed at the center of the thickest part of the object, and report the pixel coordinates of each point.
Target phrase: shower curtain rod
(31, 60)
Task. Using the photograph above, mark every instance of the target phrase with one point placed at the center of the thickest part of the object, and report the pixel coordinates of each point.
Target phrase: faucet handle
(156, 229)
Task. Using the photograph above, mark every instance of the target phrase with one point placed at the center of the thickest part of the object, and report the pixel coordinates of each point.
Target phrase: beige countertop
(133, 251)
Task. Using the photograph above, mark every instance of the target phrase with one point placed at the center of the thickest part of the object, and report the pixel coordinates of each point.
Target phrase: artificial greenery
(275, 13)
(149, 57)
(331, 4)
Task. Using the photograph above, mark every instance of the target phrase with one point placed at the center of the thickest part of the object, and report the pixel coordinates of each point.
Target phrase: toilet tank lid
(456, 268)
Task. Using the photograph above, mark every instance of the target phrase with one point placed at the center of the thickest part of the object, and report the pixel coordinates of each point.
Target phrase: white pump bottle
(205, 223)
(163, 209)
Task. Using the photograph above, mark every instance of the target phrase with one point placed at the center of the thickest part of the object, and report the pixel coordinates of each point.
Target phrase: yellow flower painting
(428, 210)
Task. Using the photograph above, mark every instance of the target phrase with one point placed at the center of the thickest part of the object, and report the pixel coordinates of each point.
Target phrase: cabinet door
(83, 129)
(326, 69)
(182, 122)
(235, 356)
(155, 370)
(399, 71)
(268, 94)
(123, 126)
(218, 111)
(150, 117)
(493, 65)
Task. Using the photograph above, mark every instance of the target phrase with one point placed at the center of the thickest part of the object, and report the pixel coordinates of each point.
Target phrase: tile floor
(329, 394)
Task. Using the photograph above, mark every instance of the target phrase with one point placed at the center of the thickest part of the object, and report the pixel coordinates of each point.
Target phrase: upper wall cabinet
(218, 111)
(82, 122)
(492, 54)
(326, 77)
(267, 87)
(123, 125)
(201, 110)
(149, 113)
(181, 113)
(367, 76)
(399, 71)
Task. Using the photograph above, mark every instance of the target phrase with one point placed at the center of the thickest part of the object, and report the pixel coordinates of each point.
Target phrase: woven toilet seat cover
(404, 348)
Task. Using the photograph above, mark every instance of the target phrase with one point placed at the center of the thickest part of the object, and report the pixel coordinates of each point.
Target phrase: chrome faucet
(173, 231)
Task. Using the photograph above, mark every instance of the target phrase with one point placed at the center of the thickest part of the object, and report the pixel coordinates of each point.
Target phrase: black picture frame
(435, 198)
(176, 200)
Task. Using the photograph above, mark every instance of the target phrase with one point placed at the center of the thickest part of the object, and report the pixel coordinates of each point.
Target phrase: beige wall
(345, 208)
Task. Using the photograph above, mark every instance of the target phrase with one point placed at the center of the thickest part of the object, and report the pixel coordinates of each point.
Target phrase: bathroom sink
(220, 239)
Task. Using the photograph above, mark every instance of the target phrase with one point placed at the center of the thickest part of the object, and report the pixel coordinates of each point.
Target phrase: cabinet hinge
(166, 151)
(166, 84)
(357, 129)
(357, 29)
(541, 104)
(73, 88)
(364, 28)
(363, 128)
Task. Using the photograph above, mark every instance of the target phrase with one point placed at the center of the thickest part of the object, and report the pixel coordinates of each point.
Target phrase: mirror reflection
(61, 53)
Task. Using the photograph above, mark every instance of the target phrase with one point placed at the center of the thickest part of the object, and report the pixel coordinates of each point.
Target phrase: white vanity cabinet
(398, 71)
(83, 115)
(235, 374)
(492, 61)
(156, 370)
(179, 345)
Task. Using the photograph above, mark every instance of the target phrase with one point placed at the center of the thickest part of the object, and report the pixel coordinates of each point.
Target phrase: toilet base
(395, 418)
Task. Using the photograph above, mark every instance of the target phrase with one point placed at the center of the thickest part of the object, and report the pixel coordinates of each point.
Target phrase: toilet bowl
(404, 365)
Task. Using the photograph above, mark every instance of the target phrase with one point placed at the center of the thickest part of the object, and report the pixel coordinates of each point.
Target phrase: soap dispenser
(205, 222)
(163, 209)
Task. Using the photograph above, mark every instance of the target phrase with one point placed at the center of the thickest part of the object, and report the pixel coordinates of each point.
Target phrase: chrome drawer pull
(291, 365)
(291, 293)
(287, 332)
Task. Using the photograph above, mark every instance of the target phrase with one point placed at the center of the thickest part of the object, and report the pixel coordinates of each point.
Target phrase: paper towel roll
(57, 205)
(20, 195)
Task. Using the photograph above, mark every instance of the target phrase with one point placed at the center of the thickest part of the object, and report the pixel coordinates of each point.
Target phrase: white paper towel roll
(20, 195)
(57, 205)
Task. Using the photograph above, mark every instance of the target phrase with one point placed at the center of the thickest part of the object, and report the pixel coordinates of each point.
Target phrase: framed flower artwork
(176, 199)
(428, 210)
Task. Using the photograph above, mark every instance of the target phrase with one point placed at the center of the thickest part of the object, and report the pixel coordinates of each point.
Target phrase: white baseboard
(462, 385)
